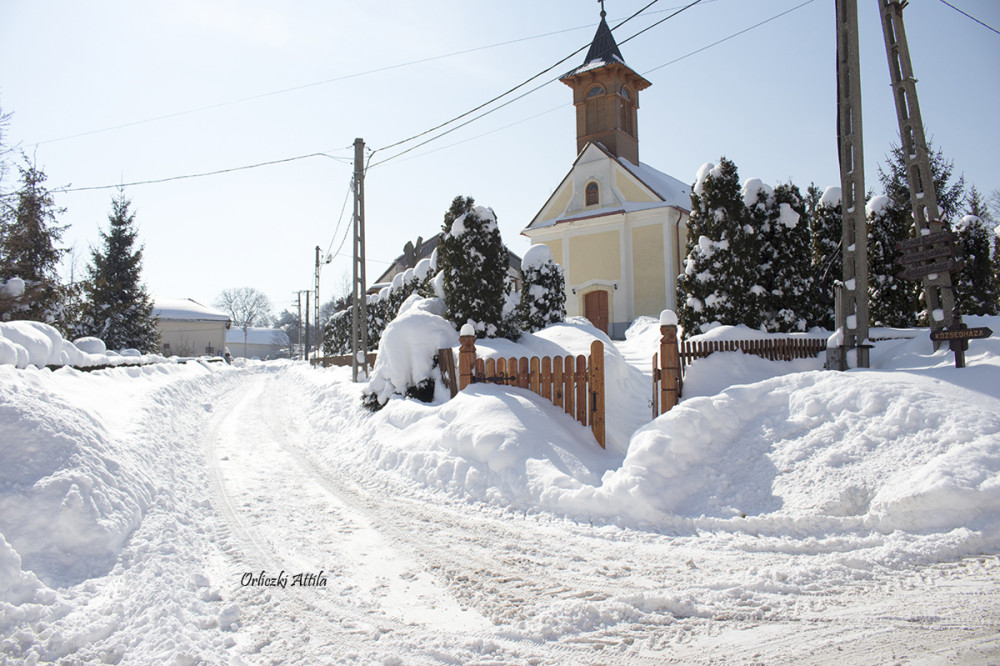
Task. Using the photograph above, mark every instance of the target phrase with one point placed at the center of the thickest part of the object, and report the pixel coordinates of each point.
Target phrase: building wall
(649, 272)
(596, 256)
(192, 338)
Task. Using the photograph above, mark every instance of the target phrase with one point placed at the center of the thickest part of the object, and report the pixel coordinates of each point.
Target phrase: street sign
(917, 272)
(926, 255)
(963, 334)
(929, 239)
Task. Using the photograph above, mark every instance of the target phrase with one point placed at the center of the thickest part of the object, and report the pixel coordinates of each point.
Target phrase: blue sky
(85, 81)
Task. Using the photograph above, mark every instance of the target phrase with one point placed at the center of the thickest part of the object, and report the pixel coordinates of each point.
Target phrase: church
(618, 227)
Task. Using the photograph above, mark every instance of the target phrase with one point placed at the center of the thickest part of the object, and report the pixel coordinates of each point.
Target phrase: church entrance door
(595, 308)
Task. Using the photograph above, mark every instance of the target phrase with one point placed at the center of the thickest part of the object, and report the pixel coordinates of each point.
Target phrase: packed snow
(206, 513)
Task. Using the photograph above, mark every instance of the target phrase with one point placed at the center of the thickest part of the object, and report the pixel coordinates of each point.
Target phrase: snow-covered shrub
(474, 261)
(543, 296)
(406, 365)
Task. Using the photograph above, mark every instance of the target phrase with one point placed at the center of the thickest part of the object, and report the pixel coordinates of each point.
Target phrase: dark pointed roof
(603, 48)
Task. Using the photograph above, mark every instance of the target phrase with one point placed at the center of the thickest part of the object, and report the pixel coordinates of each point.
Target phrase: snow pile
(752, 189)
(12, 288)
(406, 352)
(831, 197)
(24, 343)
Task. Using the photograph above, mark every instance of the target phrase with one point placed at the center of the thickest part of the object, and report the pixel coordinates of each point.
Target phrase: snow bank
(407, 349)
(24, 343)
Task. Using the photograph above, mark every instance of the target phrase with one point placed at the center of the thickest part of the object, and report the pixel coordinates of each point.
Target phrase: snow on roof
(256, 336)
(186, 309)
(673, 191)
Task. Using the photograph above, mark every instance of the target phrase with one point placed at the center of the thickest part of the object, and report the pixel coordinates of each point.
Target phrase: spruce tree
(892, 301)
(826, 229)
(474, 262)
(543, 294)
(785, 263)
(117, 307)
(28, 250)
(975, 285)
(721, 265)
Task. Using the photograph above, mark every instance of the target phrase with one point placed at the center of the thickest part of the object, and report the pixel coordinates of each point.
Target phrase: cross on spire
(603, 13)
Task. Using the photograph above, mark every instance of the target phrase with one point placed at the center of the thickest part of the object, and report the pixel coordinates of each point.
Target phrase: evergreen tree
(117, 307)
(892, 301)
(474, 262)
(543, 294)
(826, 228)
(785, 263)
(719, 280)
(28, 250)
(976, 288)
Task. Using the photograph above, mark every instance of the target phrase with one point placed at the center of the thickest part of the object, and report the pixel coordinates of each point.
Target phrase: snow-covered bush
(474, 263)
(543, 296)
(406, 365)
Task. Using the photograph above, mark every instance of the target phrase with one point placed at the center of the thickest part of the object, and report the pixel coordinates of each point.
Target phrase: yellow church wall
(630, 190)
(558, 204)
(557, 254)
(595, 257)
(648, 271)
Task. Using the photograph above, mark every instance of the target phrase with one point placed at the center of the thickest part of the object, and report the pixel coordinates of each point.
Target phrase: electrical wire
(964, 13)
(505, 93)
(521, 96)
(333, 238)
(200, 175)
(726, 39)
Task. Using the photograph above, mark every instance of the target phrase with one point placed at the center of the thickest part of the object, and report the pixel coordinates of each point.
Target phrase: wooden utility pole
(939, 298)
(359, 309)
(852, 301)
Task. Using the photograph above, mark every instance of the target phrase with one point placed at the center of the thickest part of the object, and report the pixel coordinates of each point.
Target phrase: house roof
(670, 191)
(422, 249)
(186, 309)
(257, 336)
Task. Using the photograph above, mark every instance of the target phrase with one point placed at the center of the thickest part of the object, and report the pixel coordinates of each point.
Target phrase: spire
(603, 48)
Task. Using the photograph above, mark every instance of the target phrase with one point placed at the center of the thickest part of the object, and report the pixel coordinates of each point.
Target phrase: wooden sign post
(958, 335)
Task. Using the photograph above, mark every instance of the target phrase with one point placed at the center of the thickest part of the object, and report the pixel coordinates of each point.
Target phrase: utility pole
(939, 298)
(298, 296)
(319, 329)
(359, 309)
(852, 296)
(305, 348)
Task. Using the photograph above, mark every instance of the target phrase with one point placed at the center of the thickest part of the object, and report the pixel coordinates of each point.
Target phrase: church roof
(603, 48)
(670, 191)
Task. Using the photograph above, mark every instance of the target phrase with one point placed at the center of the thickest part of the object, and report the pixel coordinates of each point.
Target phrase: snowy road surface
(267, 518)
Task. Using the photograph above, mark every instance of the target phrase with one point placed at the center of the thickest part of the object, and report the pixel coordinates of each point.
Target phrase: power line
(726, 39)
(964, 13)
(200, 175)
(350, 188)
(520, 85)
(505, 93)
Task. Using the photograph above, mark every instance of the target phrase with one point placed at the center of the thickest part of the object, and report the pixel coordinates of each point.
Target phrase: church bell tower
(606, 97)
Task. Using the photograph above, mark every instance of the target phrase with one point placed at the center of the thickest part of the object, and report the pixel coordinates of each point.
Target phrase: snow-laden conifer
(543, 294)
(117, 308)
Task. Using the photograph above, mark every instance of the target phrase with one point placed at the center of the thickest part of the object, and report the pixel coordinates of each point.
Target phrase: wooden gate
(574, 383)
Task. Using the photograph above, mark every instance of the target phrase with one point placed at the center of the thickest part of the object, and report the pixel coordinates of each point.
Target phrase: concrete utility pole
(305, 348)
(939, 298)
(319, 327)
(852, 296)
(359, 309)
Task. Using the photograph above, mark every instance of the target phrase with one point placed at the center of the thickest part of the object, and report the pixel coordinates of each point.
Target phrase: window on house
(593, 194)
(595, 91)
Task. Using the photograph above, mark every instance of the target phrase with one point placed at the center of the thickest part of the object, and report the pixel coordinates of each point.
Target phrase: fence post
(670, 367)
(466, 356)
(597, 391)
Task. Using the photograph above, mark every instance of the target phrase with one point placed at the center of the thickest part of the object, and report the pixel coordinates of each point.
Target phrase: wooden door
(595, 308)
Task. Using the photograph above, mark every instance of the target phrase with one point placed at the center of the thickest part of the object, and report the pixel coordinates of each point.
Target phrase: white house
(188, 328)
(253, 342)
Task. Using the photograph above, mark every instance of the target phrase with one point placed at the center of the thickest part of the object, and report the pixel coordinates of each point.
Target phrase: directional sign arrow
(917, 272)
(926, 255)
(929, 239)
(963, 334)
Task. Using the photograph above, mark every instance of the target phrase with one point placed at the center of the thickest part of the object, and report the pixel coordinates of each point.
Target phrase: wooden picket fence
(773, 349)
(674, 355)
(574, 383)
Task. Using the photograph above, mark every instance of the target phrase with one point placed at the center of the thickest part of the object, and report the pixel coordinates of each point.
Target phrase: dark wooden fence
(574, 383)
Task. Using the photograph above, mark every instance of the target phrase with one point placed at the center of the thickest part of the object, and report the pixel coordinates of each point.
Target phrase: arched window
(595, 91)
(592, 194)
(626, 94)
